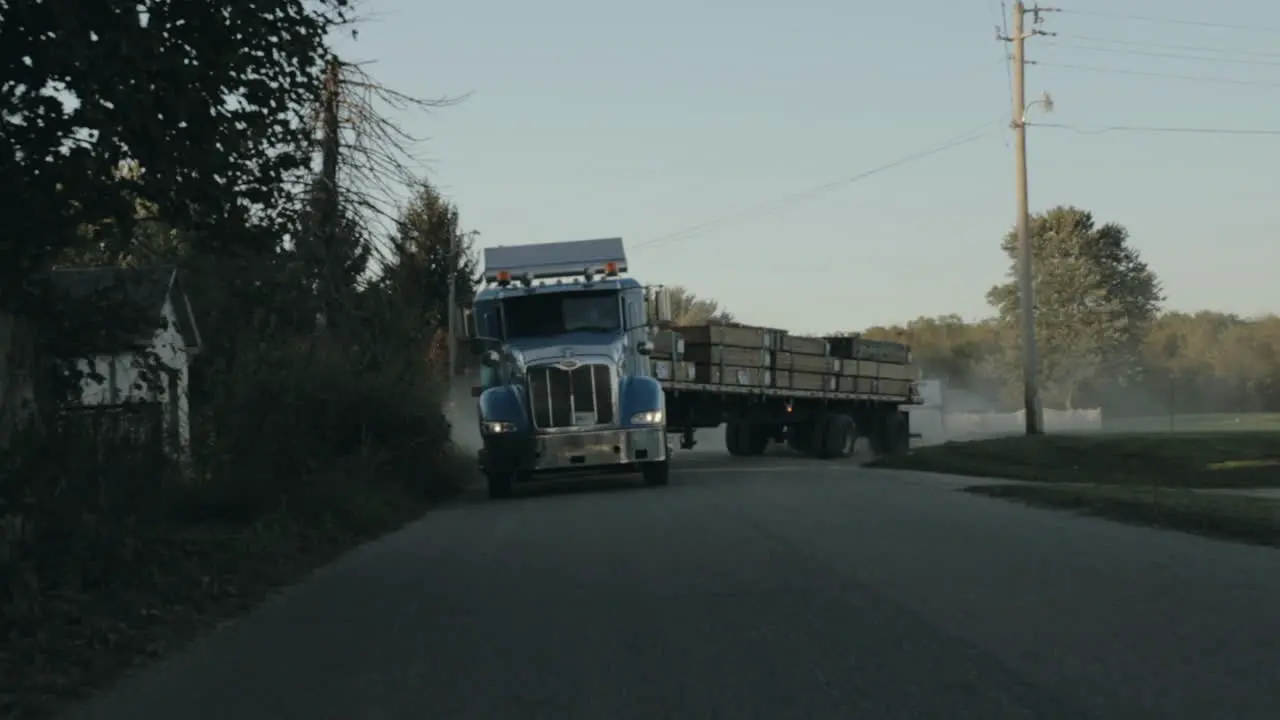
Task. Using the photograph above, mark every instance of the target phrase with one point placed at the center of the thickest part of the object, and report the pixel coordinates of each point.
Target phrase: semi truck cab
(566, 384)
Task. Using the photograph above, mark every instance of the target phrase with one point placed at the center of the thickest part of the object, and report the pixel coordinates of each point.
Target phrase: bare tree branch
(380, 159)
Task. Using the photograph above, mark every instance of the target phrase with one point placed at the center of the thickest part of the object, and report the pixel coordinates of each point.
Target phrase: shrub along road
(782, 588)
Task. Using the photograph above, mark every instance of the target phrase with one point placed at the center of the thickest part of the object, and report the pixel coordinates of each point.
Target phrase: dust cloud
(460, 411)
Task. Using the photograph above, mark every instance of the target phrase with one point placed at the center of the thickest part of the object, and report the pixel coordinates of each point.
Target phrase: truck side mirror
(644, 347)
(468, 324)
(662, 307)
(490, 358)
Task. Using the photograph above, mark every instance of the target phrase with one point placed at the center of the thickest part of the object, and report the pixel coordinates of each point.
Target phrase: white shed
(158, 324)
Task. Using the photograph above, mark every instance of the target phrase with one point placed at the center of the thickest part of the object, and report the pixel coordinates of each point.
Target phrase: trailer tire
(656, 474)
(733, 438)
(743, 438)
(818, 437)
(897, 433)
(839, 435)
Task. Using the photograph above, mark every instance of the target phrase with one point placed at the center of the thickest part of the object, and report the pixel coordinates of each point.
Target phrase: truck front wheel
(500, 483)
(656, 473)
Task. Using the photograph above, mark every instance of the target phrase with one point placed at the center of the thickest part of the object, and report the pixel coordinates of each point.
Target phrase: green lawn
(1245, 459)
(1158, 479)
(1207, 422)
(1228, 517)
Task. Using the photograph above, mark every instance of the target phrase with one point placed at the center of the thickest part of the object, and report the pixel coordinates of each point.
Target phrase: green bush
(305, 426)
(109, 555)
(69, 501)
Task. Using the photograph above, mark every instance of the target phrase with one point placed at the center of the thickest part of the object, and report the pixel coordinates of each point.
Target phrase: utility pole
(453, 305)
(1030, 389)
(326, 208)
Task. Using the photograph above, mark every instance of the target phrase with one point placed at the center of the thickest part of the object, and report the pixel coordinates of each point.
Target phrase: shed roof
(140, 291)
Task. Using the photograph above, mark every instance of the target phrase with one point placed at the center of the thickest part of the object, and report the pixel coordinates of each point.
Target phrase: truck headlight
(648, 417)
(492, 427)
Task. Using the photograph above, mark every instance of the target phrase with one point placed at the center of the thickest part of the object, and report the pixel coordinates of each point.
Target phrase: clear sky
(592, 118)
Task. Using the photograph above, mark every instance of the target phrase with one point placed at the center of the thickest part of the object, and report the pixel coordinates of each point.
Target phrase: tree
(1203, 362)
(945, 346)
(151, 238)
(411, 293)
(202, 99)
(689, 309)
(1095, 301)
(334, 253)
(961, 354)
(205, 99)
(419, 265)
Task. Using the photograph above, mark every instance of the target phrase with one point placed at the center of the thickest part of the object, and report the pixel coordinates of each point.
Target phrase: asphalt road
(774, 589)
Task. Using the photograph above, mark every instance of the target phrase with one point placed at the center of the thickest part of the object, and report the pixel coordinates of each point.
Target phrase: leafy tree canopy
(689, 309)
(1095, 300)
(205, 100)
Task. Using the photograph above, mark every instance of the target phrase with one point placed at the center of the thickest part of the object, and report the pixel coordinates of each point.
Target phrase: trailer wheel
(733, 440)
(839, 435)
(743, 438)
(817, 446)
(897, 433)
(656, 473)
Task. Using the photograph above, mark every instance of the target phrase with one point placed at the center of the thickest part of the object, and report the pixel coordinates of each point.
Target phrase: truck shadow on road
(595, 483)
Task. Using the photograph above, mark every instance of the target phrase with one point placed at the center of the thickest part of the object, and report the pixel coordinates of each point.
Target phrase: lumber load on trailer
(881, 367)
(774, 361)
(735, 355)
(668, 358)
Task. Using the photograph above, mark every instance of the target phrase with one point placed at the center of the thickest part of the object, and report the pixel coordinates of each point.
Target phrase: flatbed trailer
(822, 423)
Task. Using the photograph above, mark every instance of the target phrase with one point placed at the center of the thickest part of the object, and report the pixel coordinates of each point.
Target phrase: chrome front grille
(562, 398)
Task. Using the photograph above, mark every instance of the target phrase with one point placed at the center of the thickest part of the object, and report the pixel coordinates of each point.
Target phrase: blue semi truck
(573, 381)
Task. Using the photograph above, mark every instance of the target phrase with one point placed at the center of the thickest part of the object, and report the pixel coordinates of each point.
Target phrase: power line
(969, 136)
(1002, 30)
(1171, 46)
(1174, 21)
(1157, 129)
(1176, 56)
(1140, 73)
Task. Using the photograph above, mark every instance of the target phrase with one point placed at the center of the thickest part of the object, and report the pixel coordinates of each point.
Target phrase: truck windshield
(552, 313)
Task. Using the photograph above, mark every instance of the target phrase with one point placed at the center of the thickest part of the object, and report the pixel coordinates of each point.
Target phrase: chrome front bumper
(575, 450)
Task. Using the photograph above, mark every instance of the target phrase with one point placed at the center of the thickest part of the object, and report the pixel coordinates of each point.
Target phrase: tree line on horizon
(1103, 336)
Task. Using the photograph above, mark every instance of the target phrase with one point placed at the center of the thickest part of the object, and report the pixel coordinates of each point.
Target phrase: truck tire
(743, 438)
(733, 438)
(500, 484)
(897, 433)
(656, 474)
(818, 437)
(839, 435)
